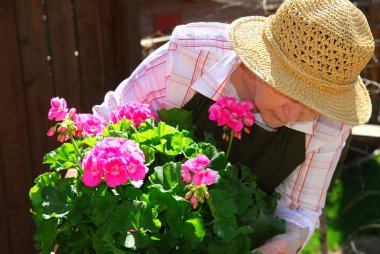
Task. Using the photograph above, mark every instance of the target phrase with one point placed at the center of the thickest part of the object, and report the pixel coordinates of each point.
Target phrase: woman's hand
(71, 172)
(288, 243)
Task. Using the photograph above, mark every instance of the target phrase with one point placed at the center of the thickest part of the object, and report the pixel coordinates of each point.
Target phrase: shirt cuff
(301, 217)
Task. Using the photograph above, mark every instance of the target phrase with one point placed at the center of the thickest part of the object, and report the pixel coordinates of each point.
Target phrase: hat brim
(351, 106)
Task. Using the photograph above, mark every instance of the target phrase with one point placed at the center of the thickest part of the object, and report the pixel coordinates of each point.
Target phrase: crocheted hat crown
(312, 51)
(326, 39)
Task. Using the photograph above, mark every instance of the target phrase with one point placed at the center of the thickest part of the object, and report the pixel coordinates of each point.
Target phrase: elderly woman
(299, 67)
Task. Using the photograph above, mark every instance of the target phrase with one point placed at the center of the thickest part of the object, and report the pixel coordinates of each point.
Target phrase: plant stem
(76, 147)
(210, 222)
(229, 145)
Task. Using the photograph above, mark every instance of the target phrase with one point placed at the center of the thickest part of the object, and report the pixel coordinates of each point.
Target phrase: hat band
(328, 85)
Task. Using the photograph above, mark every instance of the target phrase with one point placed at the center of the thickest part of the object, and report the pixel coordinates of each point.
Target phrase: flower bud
(187, 196)
(193, 199)
(207, 196)
(62, 129)
(72, 113)
(51, 132)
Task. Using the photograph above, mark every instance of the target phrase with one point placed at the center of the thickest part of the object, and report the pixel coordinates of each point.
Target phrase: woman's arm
(146, 84)
(303, 193)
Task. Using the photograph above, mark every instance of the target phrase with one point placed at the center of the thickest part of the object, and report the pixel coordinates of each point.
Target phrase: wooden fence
(76, 49)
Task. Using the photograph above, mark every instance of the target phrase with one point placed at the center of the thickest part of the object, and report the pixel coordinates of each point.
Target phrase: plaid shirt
(199, 58)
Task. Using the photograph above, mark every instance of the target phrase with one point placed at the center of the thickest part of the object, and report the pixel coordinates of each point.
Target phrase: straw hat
(312, 51)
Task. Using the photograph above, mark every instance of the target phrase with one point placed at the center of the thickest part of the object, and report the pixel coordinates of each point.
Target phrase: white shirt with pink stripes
(199, 58)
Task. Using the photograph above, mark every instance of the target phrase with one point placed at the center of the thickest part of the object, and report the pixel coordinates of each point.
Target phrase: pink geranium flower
(227, 112)
(93, 174)
(116, 160)
(58, 109)
(234, 117)
(135, 111)
(194, 169)
(88, 124)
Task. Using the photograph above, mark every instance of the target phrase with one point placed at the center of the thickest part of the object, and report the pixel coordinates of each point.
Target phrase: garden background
(80, 49)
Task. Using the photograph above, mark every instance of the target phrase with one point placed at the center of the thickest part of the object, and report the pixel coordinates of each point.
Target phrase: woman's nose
(293, 111)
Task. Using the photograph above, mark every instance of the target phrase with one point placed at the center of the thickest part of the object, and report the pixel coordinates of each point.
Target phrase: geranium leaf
(239, 245)
(62, 158)
(221, 203)
(148, 153)
(167, 176)
(179, 142)
(242, 194)
(134, 240)
(181, 118)
(120, 129)
(198, 225)
(46, 234)
(225, 228)
(181, 224)
(266, 226)
(43, 180)
(103, 209)
(57, 200)
(217, 158)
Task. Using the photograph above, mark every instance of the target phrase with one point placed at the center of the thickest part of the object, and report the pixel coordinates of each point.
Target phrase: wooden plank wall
(67, 48)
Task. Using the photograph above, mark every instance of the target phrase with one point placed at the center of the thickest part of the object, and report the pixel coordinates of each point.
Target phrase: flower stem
(76, 147)
(210, 222)
(229, 145)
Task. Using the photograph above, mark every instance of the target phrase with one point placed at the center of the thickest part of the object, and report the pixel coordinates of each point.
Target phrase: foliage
(357, 187)
(150, 216)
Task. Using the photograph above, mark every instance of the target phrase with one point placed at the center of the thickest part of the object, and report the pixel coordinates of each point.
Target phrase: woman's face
(276, 109)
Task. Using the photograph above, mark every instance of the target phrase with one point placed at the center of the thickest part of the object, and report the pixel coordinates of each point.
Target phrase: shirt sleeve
(146, 84)
(303, 193)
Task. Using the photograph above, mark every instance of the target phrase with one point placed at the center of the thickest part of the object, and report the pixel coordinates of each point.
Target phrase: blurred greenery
(353, 207)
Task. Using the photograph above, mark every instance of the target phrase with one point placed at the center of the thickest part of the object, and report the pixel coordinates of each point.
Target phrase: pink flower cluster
(194, 170)
(115, 159)
(135, 111)
(60, 112)
(87, 124)
(199, 175)
(71, 123)
(232, 115)
(58, 109)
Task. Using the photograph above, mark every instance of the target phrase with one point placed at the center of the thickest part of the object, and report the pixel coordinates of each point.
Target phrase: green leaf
(221, 203)
(134, 215)
(62, 158)
(241, 193)
(154, 135)
(266, 226)
(78, 240)
(88, 141)
(103, 209)
(57, 200)
(179, 142)
(43, 180)
(180, 118)
(168, 177)
(225, 228)
(121, 129)
(239, 245)
(217, 158)
(148, 153)
(46, 234)
(134, 240)
(198, 225)
(184, 224)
